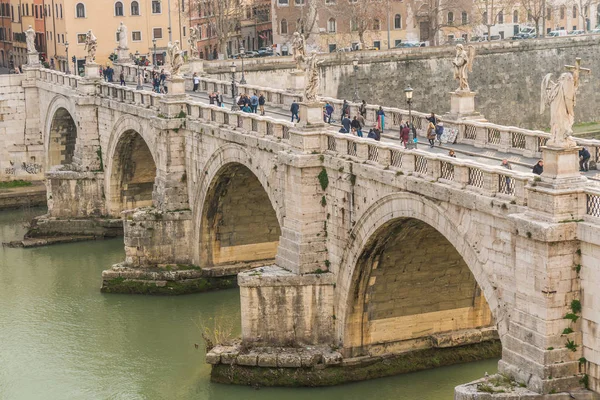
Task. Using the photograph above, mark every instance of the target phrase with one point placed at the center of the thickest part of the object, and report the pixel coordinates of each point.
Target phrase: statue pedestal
(462, 106)
(33, 59)
(176, 86)
(123, 56)
(296, 81)
(557, 195)
(92, 71)
(311, 115)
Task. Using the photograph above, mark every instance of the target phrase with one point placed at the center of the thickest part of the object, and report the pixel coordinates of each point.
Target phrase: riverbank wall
(26, 196)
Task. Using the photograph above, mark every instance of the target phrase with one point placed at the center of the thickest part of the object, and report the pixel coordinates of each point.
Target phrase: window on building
(331, 25)
(81, 38)
(450, 18)
(27, 9)
(398, 21)
(156, 7)
(80, 10)
(329, 1)
(549, 13)
(136, 36)
(353, 24)
(515, 17)
(184, 31)
(501, 17)
(574, 11)
(283, 2)
(376, 25)
(563, 12)
(119, 9)
(35, 9)
(135, 8)
(465, 18)
(299, 2)
(484, 17)
(284, 27)
(60, 8)
(157, 33)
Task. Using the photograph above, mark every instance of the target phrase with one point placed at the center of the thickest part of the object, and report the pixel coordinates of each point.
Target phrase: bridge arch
(238, 214)
(60, 132)
(131, 167)
(390, 254)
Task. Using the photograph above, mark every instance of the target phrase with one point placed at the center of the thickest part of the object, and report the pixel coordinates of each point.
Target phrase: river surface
(60, 338)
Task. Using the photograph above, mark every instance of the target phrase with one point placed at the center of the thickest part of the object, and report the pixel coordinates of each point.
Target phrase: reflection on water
(60, 338)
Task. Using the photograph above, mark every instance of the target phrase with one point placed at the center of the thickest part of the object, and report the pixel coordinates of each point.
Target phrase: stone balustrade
(468, 175)
(60, 78)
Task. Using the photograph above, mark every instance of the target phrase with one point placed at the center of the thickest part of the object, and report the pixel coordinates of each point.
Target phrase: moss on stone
(14, 184)
(334, 375)
(171, 288)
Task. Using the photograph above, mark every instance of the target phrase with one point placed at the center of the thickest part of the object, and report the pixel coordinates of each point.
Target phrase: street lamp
(139, 85)
(242, 52)
(67, 51)
(154, 55)
(234, 106)
(408, 92)
(355, 67)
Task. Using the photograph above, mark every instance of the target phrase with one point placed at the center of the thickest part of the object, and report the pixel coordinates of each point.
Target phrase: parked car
(595, 31)
(576, 32)
(558, 33)
(250, 54)
(265, 51)
(477, 39)
(344, 50)
(408, 44)
(495, 37)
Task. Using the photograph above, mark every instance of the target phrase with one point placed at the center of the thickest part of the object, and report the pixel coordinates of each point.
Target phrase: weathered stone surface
(250, 359)
(267, 360)
(289, 360)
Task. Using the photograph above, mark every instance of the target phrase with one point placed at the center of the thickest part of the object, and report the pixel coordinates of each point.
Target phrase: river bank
(33, 195)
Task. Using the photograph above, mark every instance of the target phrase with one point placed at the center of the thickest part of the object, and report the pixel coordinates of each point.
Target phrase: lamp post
(138, 85)
(408, 92)
(154, 55)
(234, 106)
(67, 51)
(356, 99)
(242, 52)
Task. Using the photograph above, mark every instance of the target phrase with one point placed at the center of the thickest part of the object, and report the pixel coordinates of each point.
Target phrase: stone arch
(60, 132)
(366, 327)
(131, 167)
(232, 195)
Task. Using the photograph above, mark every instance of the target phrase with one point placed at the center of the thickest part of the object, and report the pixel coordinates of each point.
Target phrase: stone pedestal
(92, 71)
(296, 81)
(176, 86)
(462, 106)
(561, 164)
(123, 56)
(33, 59)
(311, 115)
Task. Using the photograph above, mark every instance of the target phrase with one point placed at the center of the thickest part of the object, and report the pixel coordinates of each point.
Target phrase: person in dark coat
(538, 168)
(346, 123)
(584, 158)
(295, 108)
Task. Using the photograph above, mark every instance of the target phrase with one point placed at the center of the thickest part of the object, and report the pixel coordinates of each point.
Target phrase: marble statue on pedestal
(312, 87)
(193, 38)
(30, 39)
(463, 64)
(560, 96)
(91, 44)
(123, 39)
(175, 57)
(299, 50)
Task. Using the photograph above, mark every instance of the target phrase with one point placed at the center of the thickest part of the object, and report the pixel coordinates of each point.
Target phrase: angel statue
(193, 38)
(560, 97)
(299, 50)
(30, 38)
(463, 64)
(123, 39)
(91, 44)
(175, 57)
(312, 87)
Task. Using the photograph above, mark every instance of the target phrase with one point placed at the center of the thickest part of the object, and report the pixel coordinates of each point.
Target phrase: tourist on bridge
(433, 119)
(506, 164)
(431, 134)
(345, 110)
(211, 98)
(584, 158)
(355, 124)
(261, 104)
(375, 133)
(219, 99)
(156, 83)
(452, 154)
(254, 103)
(380, 119)
(247, 108)
(439, 131)
(538, 168)
(346, 124)
(362, 110)
(295, 108)
(196, 80)
(122, 77)
(404, 134)
(329, 110)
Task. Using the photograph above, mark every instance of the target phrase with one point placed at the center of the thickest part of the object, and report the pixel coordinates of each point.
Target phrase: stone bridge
(377, 258)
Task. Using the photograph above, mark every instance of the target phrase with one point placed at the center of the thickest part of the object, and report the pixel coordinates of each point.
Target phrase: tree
(490, 11)
(438, 12)
(361, 14)
(583, 7)
(536, 11)
(308, 18)
(223, 19)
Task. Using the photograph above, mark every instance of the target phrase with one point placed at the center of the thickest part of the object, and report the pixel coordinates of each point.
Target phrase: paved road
(484, 156)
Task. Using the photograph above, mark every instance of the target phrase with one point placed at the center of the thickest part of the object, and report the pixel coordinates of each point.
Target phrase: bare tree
(223, 19)
(443, 13)
(583, 7)
(362, 16)
(490, 12)
(536, 11)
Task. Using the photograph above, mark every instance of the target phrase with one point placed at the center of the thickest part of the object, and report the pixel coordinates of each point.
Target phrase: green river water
(60, 338)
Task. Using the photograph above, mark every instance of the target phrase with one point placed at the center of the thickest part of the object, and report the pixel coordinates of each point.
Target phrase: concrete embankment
(23, 196)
